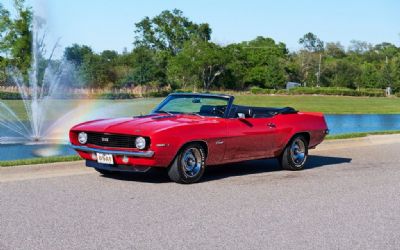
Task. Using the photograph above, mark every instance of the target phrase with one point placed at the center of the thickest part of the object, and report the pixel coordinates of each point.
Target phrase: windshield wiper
(163, 112)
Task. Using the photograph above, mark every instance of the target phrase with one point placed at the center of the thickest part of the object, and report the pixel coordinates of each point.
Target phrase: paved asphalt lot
(347, 198)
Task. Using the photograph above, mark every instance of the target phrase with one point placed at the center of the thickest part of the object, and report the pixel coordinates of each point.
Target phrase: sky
(109, 24)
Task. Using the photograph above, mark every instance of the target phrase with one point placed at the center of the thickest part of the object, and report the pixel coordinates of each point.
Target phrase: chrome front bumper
(144, 154)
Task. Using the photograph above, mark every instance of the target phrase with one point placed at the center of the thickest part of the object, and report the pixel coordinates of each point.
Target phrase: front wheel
(188, 166)
(295, 154)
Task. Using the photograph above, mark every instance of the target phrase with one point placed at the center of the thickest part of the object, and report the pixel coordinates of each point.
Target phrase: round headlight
(140, 142)
(82, 137)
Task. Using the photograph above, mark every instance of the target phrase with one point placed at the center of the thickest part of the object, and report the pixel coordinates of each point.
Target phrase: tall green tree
(311, 42)
(199, 61)
(265, 62)
(169, 31)
(359, 47)
(144, 65)
(309, 58)
(76, 53)
(96, 71)
(16, 36)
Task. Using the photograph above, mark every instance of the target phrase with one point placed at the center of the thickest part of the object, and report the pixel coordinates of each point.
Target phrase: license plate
(105, 158)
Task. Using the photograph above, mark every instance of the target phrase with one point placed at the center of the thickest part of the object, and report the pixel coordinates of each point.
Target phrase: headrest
(248, 112)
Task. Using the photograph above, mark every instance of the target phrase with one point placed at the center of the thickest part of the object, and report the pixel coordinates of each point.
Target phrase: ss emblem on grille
(105, 139)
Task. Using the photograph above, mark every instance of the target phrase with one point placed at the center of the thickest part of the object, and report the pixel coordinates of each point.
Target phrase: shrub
(321, 91)
(114, 96)
(10, 96)
(258, 90)
(162, 93)
(183, 91)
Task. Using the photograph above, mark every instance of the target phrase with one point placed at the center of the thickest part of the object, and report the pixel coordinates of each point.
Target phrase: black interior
(211, 110)
(259, 112)
(249, 112)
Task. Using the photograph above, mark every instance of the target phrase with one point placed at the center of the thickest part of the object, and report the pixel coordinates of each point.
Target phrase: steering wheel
(219, 112)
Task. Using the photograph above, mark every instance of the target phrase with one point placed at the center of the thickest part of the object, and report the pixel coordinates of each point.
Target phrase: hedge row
(114, 96)
(320, 91)
(10, 96)
(108, 95)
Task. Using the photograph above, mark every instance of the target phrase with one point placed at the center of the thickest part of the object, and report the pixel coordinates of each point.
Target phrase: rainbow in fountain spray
(48, 113)
(37, 94)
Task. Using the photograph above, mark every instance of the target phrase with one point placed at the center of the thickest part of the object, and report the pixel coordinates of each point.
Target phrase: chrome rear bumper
(144, 154)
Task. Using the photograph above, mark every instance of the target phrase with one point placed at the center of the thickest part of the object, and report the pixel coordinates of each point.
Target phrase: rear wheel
(295, 154)
(188, 166)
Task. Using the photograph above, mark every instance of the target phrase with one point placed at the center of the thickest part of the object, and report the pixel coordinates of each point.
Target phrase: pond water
(338, 124)
(344, 124)
(10, 152)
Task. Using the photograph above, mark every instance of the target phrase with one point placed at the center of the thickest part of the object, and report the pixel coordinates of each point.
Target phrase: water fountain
(41, 129)
(36, 96)
(31, 129)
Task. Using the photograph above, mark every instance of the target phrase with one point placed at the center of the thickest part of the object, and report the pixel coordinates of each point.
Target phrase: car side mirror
(241, 115)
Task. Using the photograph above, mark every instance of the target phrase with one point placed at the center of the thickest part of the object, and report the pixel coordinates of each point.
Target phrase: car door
(249, 138)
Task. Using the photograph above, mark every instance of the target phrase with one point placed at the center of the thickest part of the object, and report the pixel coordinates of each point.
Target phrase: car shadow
(154, 175)
(213, 173)
(266, 165)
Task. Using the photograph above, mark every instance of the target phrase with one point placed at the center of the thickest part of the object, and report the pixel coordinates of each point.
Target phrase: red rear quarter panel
(311, 123)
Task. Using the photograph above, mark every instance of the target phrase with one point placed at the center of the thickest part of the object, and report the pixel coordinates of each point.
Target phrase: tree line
(170, 49)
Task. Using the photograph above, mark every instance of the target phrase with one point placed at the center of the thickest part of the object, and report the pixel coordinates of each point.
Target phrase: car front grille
(112, 140)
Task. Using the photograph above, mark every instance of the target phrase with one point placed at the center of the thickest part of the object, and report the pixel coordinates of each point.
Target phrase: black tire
(189, 164)
(104, 172)
(295, 155)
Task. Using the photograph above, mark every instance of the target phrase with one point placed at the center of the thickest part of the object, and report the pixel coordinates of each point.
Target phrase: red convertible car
(187, 132)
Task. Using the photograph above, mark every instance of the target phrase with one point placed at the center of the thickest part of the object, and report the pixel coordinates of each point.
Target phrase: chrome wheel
(191, 162)
(298, 151)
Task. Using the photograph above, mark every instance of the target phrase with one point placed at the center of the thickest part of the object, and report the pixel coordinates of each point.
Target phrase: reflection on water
(10, 152)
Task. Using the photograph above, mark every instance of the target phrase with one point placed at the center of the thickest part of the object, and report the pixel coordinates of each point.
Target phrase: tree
(204, 60)
(76, 53)
(144, 65)
(16, 36)
(396, 75)
(311, 43)
(96, 72)
(265, 67)
(335, 50)
(169, 31)
(359, 47)
(109, 56)
(236, 67)
(369, 76)
(347, 74)
(310, 58)
(5, 26)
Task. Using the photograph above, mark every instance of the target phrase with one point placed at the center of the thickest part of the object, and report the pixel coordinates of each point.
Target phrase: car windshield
(195, 105)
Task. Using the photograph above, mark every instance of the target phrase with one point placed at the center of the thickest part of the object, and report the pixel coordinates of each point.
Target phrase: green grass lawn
(43, 160)
(326, 104)
(57, 108)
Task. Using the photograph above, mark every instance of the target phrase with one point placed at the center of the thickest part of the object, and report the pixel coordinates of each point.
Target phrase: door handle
(271, 125)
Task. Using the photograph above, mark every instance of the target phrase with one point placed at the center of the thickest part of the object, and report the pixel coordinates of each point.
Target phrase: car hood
(143, 125)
